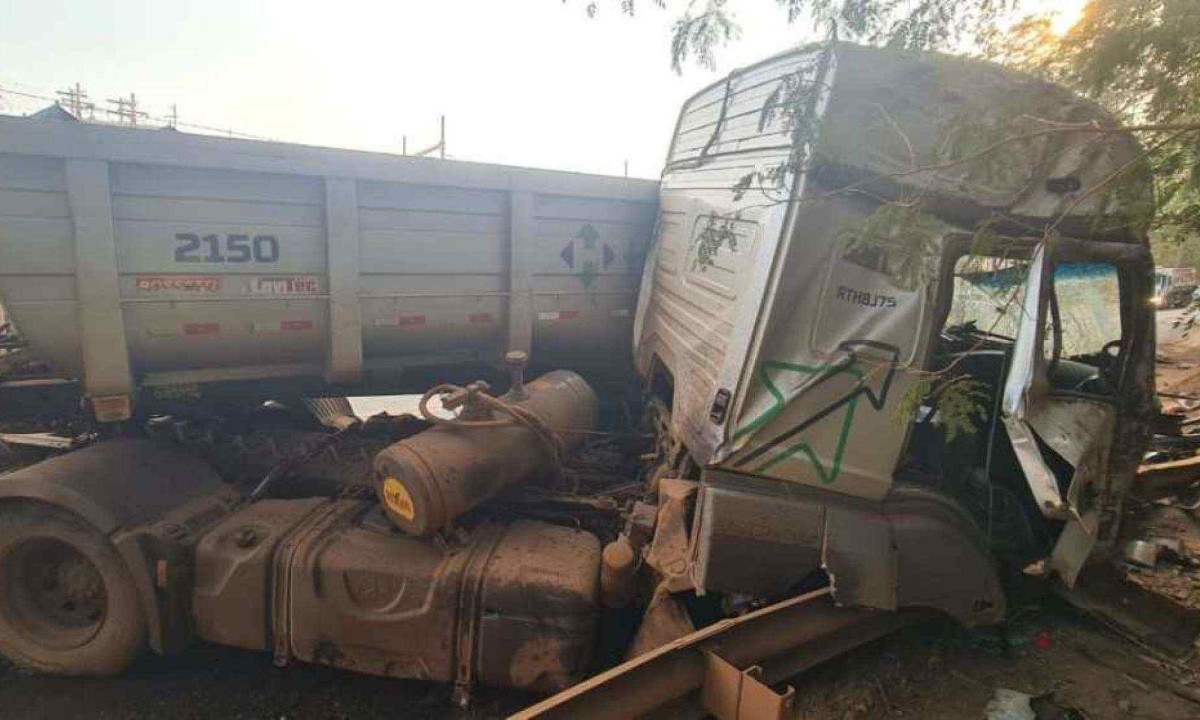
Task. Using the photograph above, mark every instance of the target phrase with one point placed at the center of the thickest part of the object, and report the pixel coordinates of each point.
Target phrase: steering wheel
(1107, 366)
(1110, 359)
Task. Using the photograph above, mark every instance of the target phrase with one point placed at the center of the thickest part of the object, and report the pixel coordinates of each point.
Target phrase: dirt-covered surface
(211, 683)
(934, 671)
(940, 671)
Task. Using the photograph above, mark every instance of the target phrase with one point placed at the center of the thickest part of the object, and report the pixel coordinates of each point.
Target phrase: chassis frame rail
(768, 645)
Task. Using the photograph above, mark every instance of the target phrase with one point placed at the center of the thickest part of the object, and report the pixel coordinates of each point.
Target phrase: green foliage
(717, 232)
(1141, 59)
(961, 404)
(900, 240)
(628, 7)
(699, 35)
(908, 24)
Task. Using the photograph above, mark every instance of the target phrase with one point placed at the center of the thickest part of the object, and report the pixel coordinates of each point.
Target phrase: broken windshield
(988, 294)
(1088, 296)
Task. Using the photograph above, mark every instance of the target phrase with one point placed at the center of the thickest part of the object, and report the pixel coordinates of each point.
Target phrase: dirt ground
(934, 671)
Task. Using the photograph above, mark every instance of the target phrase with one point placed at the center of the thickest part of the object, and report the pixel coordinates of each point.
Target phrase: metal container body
(137, 257)
(427, 480)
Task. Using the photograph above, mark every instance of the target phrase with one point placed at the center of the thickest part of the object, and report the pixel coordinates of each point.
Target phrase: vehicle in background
(885, 383)
(1174, 287)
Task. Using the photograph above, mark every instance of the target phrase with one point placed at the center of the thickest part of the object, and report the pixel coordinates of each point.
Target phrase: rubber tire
(122, 634)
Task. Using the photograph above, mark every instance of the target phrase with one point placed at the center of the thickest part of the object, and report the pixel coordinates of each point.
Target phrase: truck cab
(851, 318)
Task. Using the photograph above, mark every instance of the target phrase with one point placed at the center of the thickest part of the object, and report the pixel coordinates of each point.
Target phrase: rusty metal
(1160, 480)
(292, 568)
(427, 480)
(470, 601)
(1150, 619)
(331, 582)
(796, 633)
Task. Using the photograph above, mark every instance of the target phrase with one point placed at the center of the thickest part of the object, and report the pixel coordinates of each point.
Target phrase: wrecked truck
(890, 345)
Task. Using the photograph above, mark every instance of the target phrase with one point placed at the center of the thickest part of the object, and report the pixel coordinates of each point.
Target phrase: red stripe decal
(295, 325)
(411, 320)
(202, 328)
(479, 318)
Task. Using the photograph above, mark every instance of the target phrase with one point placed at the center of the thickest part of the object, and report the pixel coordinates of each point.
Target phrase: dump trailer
(151, 263)
(890, 344)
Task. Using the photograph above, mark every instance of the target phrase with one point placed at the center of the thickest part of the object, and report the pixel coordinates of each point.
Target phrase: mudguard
(115, 484)
(152, 500)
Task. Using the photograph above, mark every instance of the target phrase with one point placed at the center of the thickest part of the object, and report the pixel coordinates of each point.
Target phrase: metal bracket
(470, 607)
(732, 694)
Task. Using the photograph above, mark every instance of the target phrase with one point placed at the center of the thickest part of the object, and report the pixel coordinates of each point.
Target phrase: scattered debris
(1009, 705)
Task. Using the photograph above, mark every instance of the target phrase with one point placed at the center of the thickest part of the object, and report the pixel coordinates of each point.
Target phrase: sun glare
(1065, 14)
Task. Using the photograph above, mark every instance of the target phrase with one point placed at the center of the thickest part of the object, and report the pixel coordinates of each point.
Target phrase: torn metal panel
(665, 621)
(755, 541)
(1025, 381)
(1074, 547)
(668, 552)
(1037, 474)
(1023, 365)
(1160, 480)
(1081, 431)
(916, 549)
(1075, 428)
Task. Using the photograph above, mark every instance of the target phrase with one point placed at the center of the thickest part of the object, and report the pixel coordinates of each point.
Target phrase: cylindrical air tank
(427, 480)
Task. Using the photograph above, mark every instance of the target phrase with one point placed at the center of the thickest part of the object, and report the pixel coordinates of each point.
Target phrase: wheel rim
(52, 593)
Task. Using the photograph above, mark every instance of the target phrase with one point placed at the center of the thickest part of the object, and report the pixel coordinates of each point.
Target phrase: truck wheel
(67, 603)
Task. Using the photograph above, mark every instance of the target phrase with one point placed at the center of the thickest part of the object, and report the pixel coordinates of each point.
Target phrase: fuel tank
(427, 480)
(333, 583)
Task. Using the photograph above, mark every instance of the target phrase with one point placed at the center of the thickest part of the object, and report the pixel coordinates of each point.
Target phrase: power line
(126, 110)
(76, 101)
(438, 147)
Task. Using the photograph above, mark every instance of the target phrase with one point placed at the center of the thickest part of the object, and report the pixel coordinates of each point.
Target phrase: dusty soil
(935, 670)
(941, 672)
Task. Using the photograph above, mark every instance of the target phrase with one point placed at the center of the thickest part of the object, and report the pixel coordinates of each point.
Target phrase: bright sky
(526, 82)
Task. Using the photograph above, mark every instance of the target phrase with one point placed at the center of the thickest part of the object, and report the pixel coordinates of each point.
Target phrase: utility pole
(173, 118)
(440, 147)
(126, 109)
(403, 144)
(626, 168)
(75, 100)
